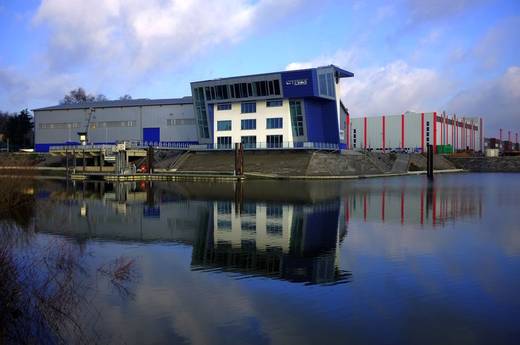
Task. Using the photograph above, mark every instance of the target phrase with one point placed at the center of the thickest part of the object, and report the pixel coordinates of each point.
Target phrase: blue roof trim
(341, 74)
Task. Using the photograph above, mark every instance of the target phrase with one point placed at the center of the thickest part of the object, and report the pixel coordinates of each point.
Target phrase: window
(62, 125)
(248, 124)
(180, 122)
(248, 226)
(249, 142)
(274, 103)
(200, 108)
(274, 212)
(296, 118)
(274, 230)
(224, 207)
(224, 125)
(248, 108)
(274, 122)
(274, 141)
(326, 84)
(224, 106)
(223, 142)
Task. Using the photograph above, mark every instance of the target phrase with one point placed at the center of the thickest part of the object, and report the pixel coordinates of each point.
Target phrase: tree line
(79, 95)
(16, 129)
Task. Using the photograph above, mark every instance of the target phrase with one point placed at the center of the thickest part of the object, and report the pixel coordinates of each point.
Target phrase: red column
(453, 128)
(365, 132)
(383, 121)
(434, 132)
(481, 137)
(402, 131)
(422, 132)
(442, 130)
(347, 134)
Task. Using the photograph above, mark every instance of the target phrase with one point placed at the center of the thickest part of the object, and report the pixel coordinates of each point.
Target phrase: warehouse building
(412, 132)
(289, 109)
(145, 120)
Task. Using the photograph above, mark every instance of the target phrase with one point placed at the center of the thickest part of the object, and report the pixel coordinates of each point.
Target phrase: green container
(444, 149)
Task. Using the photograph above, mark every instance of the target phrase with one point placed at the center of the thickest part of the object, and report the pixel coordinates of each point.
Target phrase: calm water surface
(383, 261)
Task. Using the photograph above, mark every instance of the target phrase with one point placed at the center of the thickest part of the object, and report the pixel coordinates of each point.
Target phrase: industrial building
(283, 109)
(412, 132)
(145, 120)
(289, 110)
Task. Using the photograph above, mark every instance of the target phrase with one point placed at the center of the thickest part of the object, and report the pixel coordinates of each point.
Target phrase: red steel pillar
(347, 131)
(422, 132)
(434, 132)
(365, 133)
(402, 131)
(383, 124)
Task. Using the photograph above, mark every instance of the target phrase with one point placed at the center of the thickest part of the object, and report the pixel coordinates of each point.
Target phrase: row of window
(61, 125)
(250, 107)
(180, 122)
(270, 123)
(107, 124)
(249, 141)
(243, 90)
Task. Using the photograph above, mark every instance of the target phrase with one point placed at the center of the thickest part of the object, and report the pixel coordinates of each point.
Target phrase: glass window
(274, 230)
(224, 106)
(276, 87)
(274, 141)
(273, 103)
(224, 142)
(296, 118)
(249, 107)
(274, 122)
(248, 124)
(274, 212)
(224, 125)
(249, 141)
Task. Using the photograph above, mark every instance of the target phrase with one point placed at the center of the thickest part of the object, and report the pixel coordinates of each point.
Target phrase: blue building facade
(304, 104)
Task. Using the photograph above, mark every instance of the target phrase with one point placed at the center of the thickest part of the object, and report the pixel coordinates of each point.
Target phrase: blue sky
(460, 56)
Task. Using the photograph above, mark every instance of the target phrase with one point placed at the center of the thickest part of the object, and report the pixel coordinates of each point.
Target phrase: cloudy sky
(461, 56)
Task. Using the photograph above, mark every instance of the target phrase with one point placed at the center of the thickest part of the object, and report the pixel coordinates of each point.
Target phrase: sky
(458, 56)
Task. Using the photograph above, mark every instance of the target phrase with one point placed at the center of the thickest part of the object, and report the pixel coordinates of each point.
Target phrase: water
(385, 261)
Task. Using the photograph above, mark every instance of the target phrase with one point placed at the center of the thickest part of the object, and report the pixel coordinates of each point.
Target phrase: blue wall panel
(298, 83)
(321, 121)
(46, 147)
(152, 134)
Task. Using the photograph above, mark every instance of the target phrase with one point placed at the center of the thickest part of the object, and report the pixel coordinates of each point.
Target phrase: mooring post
(429, 162)
(84, 162)
(239, 159)
(149, 158)
(67, 163)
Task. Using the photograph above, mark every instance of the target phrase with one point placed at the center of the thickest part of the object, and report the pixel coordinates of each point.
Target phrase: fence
(288, 145)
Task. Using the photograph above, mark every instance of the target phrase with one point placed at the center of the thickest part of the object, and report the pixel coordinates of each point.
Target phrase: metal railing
(286, 145)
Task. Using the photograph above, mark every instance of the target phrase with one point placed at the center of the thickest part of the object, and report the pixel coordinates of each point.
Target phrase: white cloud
(136, 36)
(498, 101)
(391, 89)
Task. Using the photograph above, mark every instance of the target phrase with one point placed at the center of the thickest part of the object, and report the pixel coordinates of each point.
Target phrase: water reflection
(243, 231)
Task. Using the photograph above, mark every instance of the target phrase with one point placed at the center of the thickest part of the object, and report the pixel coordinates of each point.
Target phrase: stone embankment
(487, 164)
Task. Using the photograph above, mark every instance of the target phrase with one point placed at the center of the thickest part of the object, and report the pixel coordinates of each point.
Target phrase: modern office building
(282, 109)
(106, 122)
(414, 131)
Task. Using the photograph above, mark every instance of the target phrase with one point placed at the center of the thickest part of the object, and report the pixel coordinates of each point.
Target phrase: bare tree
(79, 95)
(126, 97)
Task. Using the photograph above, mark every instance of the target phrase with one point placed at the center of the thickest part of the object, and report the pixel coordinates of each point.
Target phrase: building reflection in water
(297, 241)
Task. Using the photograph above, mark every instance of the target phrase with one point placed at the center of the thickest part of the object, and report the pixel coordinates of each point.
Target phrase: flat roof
(342, 73)
(120, 103)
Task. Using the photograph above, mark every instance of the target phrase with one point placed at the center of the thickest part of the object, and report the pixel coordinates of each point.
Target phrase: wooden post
(84, 163)
(429, 162)
(101, 160)
(239, 159)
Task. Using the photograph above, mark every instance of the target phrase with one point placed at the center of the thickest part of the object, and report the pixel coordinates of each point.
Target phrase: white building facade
(413, 132)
